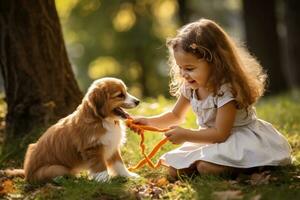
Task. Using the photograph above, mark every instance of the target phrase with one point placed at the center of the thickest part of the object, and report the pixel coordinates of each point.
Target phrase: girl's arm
(219, 133)
(170, 118)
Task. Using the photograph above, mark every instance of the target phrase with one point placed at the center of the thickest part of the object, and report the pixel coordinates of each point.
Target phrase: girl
(221, 82)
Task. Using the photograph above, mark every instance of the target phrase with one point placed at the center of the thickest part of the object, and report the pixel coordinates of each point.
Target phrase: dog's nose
(137, 102)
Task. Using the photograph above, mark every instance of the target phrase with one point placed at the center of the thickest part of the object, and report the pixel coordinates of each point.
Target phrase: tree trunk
(262, 40)
(183, 12)
(39, 82)
(292, 20)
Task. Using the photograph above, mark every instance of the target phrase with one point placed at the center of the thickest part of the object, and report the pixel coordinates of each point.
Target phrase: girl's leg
(204, 167)
(173, 172)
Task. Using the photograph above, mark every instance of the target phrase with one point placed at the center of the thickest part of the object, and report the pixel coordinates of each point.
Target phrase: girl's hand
(139, 120)
(177, 135)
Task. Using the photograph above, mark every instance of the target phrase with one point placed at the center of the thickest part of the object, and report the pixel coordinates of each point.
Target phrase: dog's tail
(12, 173)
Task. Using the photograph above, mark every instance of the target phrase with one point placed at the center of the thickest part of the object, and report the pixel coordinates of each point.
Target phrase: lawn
(282, 111)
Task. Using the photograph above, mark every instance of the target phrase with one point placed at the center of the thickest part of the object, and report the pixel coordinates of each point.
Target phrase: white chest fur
(113, 138)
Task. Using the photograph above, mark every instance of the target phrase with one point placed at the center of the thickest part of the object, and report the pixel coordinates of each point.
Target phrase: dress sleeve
(224, 95)
(186, 91)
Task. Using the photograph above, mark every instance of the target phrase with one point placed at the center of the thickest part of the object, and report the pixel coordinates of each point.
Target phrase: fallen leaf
(148, 191)
(6, 187)
(46, 189)
(162, 182)
(256, 197)
(260, 178)
(227, 195)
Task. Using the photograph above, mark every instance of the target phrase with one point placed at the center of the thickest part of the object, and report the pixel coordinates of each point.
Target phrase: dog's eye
(121, 95)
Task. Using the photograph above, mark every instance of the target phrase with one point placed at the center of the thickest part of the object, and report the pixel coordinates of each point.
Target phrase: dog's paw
(132, 175)
(127, 174)
(100, 176)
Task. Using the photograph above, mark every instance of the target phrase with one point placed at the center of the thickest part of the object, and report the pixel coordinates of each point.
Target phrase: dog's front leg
(93, 156)
(117, 167)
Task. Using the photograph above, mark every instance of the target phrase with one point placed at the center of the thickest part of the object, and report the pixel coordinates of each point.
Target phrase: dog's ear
(98, 101)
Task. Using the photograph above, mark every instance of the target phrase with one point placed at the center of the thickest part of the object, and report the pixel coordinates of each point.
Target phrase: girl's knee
(210, 168)
(172, 172)
(202, 167)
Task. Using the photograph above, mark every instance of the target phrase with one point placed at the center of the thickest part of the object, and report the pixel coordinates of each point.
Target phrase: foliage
(118, 38)
(126, 38)
(277, 183)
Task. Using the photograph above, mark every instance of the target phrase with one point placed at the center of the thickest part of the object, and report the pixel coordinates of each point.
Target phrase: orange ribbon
(140, 129)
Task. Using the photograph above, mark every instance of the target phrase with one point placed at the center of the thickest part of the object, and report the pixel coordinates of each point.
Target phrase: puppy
(89, 138)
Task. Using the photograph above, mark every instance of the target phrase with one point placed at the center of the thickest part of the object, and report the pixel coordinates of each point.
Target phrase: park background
(126, 39)
(51, 53)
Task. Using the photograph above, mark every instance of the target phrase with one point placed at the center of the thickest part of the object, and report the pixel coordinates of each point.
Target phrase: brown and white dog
(90, 138)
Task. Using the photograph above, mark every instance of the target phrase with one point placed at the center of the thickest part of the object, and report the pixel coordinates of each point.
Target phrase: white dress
(253, 142)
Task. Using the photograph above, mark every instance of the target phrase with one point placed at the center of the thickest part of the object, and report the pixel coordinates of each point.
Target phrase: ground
(283, 111)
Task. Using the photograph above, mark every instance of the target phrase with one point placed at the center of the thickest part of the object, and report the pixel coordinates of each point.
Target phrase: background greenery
(126, 38)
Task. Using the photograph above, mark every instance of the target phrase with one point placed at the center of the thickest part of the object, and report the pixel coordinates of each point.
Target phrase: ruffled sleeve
(186, 91)
(224, 95)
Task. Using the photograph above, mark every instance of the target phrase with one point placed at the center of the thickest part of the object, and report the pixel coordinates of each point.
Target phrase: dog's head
(107, 96)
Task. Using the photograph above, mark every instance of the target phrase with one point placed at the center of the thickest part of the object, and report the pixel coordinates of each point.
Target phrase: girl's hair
(229, 62)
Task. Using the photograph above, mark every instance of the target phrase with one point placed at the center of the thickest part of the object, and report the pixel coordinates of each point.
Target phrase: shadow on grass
(274, 183)
(12, 156)
(73, 188)
(13, 149)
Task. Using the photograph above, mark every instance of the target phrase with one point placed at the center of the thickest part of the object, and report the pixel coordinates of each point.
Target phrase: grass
(282, 111)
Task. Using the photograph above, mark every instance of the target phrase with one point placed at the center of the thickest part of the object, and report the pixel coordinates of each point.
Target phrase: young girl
(221, 82)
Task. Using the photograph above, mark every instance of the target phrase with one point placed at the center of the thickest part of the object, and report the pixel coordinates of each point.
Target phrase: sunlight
(64, 7)
(103, 66)
(136, 90)
(165, 31)
(234, 4)
(3, 106)
(71, 36)
(165, 10)
(125, 18)
(91, 5)
(134, 71)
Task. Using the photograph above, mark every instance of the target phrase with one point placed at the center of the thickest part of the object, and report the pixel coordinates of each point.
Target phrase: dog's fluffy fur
(89, 138)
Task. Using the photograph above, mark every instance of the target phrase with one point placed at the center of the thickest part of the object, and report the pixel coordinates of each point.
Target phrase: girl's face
(195, 71)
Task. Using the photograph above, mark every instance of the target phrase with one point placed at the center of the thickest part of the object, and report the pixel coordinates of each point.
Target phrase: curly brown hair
(229, 61)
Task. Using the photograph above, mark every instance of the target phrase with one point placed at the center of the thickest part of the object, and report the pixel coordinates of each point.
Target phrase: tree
(263, 41)
(183, 12)
(39, 82)
(292, 19)
(135, 47)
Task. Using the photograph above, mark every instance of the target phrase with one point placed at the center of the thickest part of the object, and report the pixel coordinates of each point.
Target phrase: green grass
(280, 183)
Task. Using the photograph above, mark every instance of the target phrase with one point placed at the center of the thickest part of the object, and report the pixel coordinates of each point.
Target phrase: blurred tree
(183, 12)
(262, 40)
(124, 39)
(226, 12)
(38, 79)
(292, 20)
